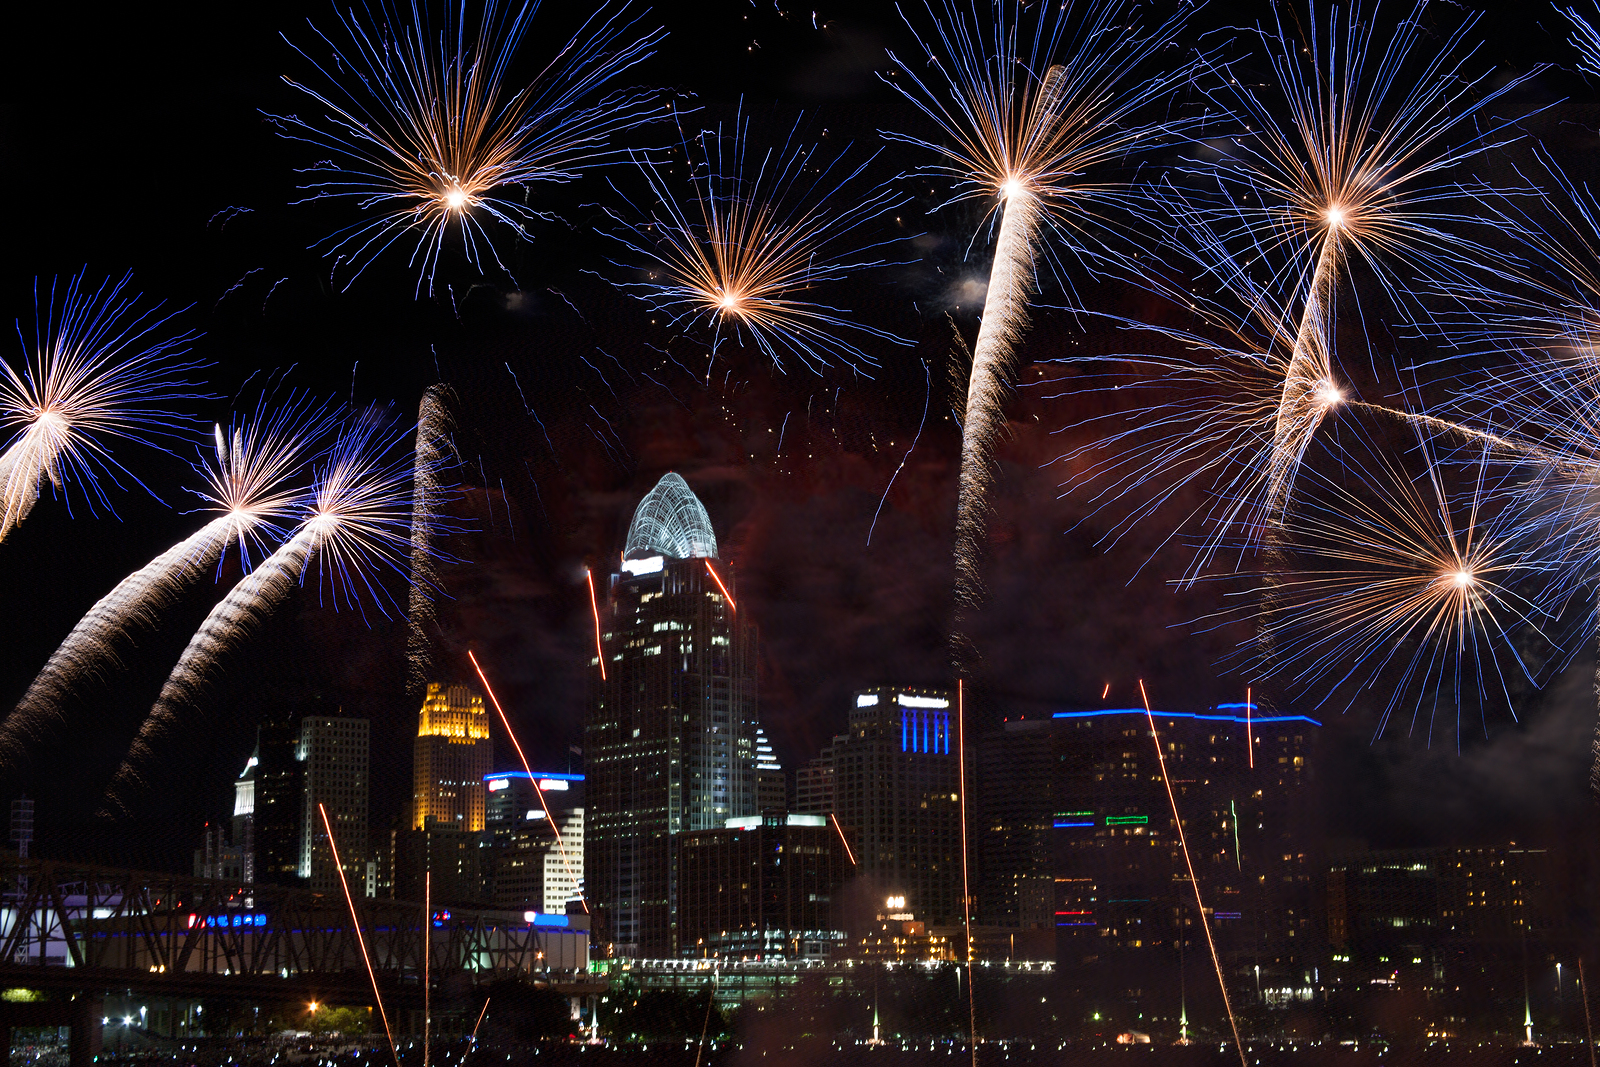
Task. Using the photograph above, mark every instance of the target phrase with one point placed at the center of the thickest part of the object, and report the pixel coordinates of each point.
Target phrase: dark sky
(136, 142)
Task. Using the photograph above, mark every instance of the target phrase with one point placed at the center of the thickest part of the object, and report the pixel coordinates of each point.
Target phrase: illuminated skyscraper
(671, 731)
(453, 753)
(333, 760)
(896, 784)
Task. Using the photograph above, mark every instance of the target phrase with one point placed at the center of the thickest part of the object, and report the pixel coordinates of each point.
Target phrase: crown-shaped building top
(670, 521)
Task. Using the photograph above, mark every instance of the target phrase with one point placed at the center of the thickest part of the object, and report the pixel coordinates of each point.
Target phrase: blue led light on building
(1062, 824)
(241, 919)
(924, 731)
(1256, 719)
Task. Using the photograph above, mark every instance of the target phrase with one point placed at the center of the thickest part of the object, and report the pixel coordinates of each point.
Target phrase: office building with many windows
(670, 735)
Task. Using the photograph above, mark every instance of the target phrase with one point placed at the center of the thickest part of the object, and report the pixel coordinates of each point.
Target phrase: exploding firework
(1029, 121)
(1402, 584)
(100, 368)
(738, 246)
(1361, 158)
(251, 484)
(434, 451)
(355, 522)
(432, 139)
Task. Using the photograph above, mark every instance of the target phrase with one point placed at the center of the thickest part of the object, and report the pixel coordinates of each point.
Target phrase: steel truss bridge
(74, 932)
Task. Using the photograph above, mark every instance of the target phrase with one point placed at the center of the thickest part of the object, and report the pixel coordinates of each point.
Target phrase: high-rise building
(453, 753)
(333, 760)
(761, 888)
(813, 785)
(277, 803)
(896, 785)
(1010, 834)
(533, 867)
(1125, 910)
(772, 786)
(671, 731)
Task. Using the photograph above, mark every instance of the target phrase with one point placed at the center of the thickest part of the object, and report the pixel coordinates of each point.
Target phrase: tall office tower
(1010, 834)
(896, 786)
(244, 819)
(670, 732)
(452, 755)
(333, 761)
(1126, 918)
(772, 786)
(813, 785)
(533, 867)
(277, 802)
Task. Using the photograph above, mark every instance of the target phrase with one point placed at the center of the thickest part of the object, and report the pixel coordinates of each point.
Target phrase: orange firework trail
(479, 1023)
(712, 571)
(594, 609)
(427, 964)
(355, 924)
(848, 851)
(560, 845)
(1183, 841)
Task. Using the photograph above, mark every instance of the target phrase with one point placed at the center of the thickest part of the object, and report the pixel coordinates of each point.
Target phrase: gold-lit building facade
(453, 754)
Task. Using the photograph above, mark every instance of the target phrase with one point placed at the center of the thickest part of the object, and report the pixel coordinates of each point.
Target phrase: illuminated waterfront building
(1010, 833)
(896, 788)
(670, 735)
(452, 754)
(1125, 911)
(761, 888)
(532, 867)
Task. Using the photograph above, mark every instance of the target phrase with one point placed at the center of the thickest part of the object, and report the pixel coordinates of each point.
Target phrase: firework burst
(100, 368)
(251, 486)
(738, 247)
(1029, 124)
(354, 522)
(1400, 583)
(1359, 159)
(433, 139)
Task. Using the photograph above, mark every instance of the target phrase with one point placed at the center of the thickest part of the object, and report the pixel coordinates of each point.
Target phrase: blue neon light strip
(1077, 924)
(1060, 824)
(553, 775)
(1184, 715)
(541, 919)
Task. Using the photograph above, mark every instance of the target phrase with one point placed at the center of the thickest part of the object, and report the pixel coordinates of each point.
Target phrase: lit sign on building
(539, 918)
(234, 921)
(905, 700)
(648, 565)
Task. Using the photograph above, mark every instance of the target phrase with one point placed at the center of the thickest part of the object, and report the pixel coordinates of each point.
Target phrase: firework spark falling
(739, 247)
(251, 480)
(434, 451)
(1183, 842)
(100, 368)
(355, 523)
(433, 141)
(361, 939)
(1029, 122)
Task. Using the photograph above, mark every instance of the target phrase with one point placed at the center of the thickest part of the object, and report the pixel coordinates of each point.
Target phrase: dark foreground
(805, 1054)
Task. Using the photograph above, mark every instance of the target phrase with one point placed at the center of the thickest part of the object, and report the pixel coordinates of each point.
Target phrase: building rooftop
(670, 521)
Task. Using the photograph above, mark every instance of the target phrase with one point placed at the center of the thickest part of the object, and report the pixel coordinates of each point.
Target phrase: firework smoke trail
(432, 141)
(434, 451)
(1183, 841)
(1026, 119)
(256, 460)
(737, 249)
(98, 369)
(357, 521)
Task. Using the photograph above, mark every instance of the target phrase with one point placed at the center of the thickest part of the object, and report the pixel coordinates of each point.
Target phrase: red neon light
(712, 571)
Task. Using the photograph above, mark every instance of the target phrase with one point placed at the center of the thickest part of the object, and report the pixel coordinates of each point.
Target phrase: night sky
(136, 141)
